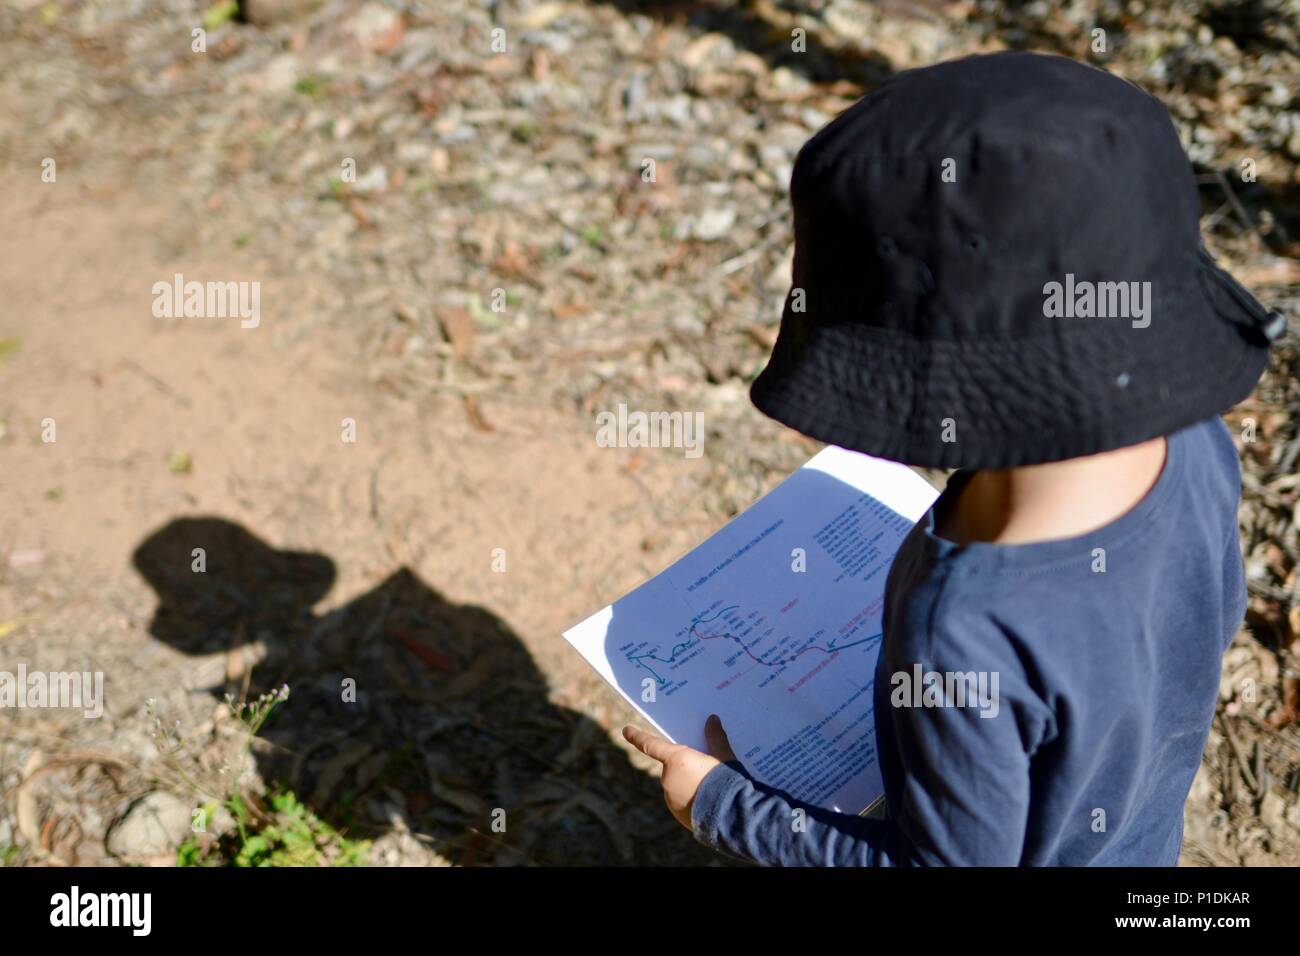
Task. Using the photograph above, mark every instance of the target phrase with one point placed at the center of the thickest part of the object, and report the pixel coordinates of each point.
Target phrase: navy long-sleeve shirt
(1107, 650)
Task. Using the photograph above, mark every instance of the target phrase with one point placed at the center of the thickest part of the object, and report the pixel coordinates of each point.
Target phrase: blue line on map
(695, 638)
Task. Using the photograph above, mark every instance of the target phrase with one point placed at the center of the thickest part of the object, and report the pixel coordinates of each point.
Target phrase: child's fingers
(649, 744)
(719, 745)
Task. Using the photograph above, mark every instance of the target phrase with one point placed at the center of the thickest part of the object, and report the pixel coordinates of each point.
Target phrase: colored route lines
(694, 638)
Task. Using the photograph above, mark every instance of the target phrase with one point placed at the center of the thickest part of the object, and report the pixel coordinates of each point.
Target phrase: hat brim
(1087, 385)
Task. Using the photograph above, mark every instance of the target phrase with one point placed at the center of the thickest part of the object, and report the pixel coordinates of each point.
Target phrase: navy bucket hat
(998, 263)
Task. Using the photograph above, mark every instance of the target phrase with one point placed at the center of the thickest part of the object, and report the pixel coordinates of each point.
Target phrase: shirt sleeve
(963, 796)
(744, 819)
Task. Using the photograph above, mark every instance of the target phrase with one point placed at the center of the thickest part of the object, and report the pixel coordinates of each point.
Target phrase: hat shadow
(450, 729)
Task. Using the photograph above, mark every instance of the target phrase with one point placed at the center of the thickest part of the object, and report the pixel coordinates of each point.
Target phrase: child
(998, 268)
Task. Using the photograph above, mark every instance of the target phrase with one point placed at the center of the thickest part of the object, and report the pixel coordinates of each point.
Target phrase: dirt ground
(259, 412)
(379, 559)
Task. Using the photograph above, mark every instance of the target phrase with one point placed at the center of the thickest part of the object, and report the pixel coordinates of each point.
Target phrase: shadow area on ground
(451, 721)
(750, 26)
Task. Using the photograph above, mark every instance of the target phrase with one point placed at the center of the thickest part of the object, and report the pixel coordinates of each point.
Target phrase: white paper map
(785, 657)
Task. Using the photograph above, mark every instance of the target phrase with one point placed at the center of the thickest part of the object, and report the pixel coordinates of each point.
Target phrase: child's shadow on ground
(451, 722)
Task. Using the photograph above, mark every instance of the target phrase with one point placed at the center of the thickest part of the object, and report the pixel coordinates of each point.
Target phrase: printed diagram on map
(774, 624)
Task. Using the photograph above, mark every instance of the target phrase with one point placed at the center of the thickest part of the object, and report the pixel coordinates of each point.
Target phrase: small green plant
(286, 834)
(297, 837)
(190, 853)
(219, 13)
(283, 832)
(171, 743)
(311, 86)
(525, 132)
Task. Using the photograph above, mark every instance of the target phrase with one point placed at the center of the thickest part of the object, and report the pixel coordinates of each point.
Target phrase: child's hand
(684, 767)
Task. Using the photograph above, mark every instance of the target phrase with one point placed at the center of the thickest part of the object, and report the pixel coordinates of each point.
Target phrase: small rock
(154, 825)
(713, 224)
(372, 23)
(676, 108)
(1272, 812)
(375, 180)
(413, 153)
(279, 75)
